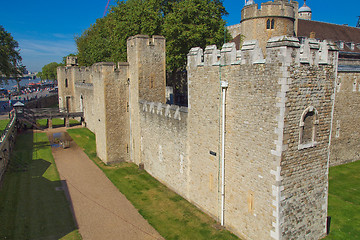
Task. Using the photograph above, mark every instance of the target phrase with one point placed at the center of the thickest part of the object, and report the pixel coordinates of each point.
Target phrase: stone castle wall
(278, 115)
(304, 166)
(101, 93)
(164, 144)
(266, 100)
(345, 131)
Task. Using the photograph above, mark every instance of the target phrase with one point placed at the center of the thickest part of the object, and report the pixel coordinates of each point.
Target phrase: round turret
(305, 12)
(249, 2)
(273, 18)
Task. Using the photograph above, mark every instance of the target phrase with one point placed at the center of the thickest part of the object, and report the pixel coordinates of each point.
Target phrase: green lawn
(31, 206)
(57, 122)
(3, 124)
(344, 201)
(171, 215)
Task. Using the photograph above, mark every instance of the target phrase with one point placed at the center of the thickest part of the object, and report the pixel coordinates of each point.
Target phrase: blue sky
(45, 30)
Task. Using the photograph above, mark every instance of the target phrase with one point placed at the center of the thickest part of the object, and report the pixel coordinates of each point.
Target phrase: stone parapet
(84, 85)
(166, 110)
(278, 49)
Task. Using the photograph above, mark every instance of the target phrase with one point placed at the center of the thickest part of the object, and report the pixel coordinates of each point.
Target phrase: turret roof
(304, 8)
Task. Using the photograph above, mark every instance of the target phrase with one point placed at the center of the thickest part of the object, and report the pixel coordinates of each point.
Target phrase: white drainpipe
(224, 85)
(131, 140)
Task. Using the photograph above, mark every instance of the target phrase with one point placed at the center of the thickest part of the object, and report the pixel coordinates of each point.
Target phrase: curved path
(100, 210)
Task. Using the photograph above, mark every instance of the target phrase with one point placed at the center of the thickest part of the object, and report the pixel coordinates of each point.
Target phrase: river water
(12, 83)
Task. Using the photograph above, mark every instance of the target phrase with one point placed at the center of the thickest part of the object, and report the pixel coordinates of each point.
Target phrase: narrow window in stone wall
(81, 103)
(251, 202)
(308, 128)
(354, 86)
(338, 86)
(307, 135)
(66, 83)
(268, 24)
(272, 24)
(337, 129)
(151, 81)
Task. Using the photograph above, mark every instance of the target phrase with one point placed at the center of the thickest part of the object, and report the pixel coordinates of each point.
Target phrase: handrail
(8, 126)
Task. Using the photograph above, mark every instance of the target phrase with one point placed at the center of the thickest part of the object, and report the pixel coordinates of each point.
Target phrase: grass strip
(57, 122)
(32, 204)
(344, 201)
(3, 124)
(170, 214)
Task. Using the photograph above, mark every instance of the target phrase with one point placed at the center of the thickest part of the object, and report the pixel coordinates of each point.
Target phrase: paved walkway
(100, 210)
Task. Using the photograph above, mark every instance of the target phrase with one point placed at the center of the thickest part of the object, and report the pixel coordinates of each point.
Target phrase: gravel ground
(100, 210)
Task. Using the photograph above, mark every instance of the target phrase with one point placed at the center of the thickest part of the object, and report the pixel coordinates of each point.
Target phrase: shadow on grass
(33, 202)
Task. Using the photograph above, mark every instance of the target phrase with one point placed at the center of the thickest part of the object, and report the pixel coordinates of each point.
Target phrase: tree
(192, 23)
(49, 71)
(106, 39)
(184, 24)
(10, 59)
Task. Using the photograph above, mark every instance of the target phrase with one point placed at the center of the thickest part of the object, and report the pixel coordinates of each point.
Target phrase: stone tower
(274, 18)
(66, 84)
(147, 81)
(305, 12)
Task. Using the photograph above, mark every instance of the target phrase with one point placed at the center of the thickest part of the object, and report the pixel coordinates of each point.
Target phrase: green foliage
(192, 23)
(344, 201)
(185, 24)
(30, 205)
(106, 39)
(171, 215)
(56, 122)
(3, 124)
(49, 71)
(10, 59)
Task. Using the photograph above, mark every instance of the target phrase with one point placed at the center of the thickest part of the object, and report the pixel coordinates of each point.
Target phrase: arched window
(66, 83)
(81, 103)
(272, 24)
(268, 25)
(308, 128)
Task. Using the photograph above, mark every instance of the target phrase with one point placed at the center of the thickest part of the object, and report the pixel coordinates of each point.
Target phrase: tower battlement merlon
(166, 110)
(71, 61)
(99, 67)
(310, 51)
(150, 41)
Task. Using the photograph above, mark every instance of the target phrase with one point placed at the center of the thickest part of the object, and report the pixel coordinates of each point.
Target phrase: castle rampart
(345, 135)
(266, 100)
(279, 107)
(162, 124)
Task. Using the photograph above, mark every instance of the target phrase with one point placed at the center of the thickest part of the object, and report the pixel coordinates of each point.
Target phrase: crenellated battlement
(277, 8)
(278, 49)
(166, 110)
(150, 41)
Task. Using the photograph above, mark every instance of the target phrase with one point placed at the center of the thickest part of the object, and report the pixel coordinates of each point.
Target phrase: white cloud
(37, 53)
(63, 36)
(46, 48)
